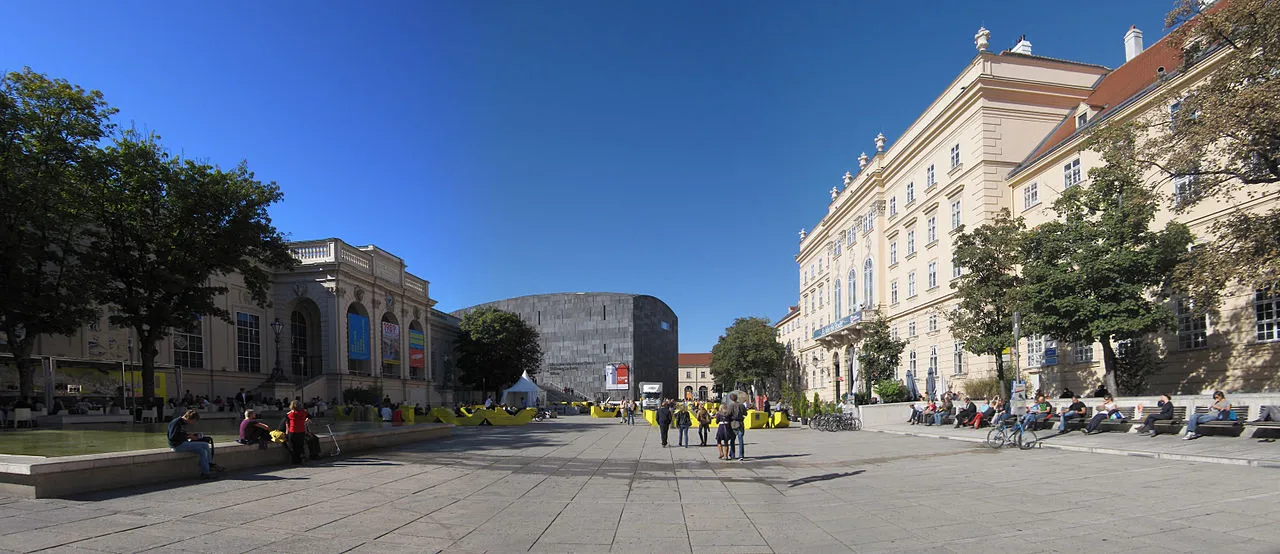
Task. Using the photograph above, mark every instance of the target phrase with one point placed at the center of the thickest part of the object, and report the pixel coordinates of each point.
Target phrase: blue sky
(511, 148)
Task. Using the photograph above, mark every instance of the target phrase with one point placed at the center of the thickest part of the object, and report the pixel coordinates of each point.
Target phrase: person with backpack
(664, 421)
(704, 423)
(683, 422)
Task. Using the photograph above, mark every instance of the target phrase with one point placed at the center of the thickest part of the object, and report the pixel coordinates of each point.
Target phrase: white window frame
(933, 322)
(929, 178)
(1083, 351)
(911, 328)
(1266, 313)
(893, 205)
(955, 156)
(933, 274)
(933, 359)
(911, 193)
(188, 351)
(248, 342)
(957, 359)
(893, 291)
(932, 229)
(956, 269)
(911, 242)
(893, 252)
(1071, 174)
(955, 215)
(911, 362)
(911, 284)
(1035, 350)
(1030, 196)
(1193, 328)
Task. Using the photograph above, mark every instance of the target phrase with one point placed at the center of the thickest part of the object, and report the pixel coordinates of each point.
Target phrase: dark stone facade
(582, 332)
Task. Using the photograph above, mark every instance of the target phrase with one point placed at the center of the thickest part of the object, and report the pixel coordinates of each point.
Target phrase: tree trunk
(147, 351)
(1109, 365)
(1000, 376)
(21, 351)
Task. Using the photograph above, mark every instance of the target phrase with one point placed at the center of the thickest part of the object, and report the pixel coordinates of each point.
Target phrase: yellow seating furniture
(501, 417)
(756, 419)
(780, 420)
(598, 412)
(439, 415)
(406, 414)
(652, 417)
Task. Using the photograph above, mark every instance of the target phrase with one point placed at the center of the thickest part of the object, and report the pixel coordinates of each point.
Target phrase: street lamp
(277, 374)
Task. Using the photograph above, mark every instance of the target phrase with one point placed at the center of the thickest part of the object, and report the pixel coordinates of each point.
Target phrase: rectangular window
(1266, 309)
(248, 343)
(955, 214)
(704, 375)
(893, 205)
(688, 375)
(893, 291)
(605, 347)
(911, 328)
(933, 322)
(1184, 189)
(956, 270)
(911, 362)
(911, 284)
(933, 274)
(1081, 120)
(929, 179)
(1030, 196)
(1084, 351)
(604, 312)
(957, 365)
(1193, 328)
(188, 348)
(893, 252)
(1035, 350)
(933, 229)
(895, 333)
(911, 242)
(911, 193)
(955, 156)
(933, 360)
(1071, 173)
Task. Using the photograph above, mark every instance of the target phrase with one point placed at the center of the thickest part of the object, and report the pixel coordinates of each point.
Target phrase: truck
(650, 395)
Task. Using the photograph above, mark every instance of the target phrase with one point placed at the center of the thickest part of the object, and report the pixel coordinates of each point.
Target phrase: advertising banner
(417, 349)
(617, 377)
(390, 343)
(357, 337)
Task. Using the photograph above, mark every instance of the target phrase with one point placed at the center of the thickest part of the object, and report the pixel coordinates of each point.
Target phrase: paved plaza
(581, 485)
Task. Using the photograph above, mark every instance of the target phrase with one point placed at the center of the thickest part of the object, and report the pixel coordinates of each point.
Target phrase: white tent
(524, 393)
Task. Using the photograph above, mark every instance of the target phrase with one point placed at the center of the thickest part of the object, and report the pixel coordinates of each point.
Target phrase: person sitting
(182, 441)
(926, 417)
(1038, 412)
(1002, 412)
(1219, 409)
(1148, 426)
(965, 415)
(1075, 410)
(1103, 411)
(943, 411)
(985, 412)
(917, 413)
(254, 431)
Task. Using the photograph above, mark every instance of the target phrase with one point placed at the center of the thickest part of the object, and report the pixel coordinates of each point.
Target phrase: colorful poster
(357, 337)
(106, 342)
(617, 377)
(390, 343)
(417, 349)
(624, 376)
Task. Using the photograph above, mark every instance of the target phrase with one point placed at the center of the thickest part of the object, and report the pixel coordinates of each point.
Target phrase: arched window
(867, 278)
(835, 297)
(853, 290)
(298, 342)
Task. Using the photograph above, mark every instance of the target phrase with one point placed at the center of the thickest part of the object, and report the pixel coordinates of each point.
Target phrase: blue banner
(838, 324)
(357, 337)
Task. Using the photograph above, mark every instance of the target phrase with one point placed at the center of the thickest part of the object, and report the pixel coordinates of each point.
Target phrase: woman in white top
(1102, 412)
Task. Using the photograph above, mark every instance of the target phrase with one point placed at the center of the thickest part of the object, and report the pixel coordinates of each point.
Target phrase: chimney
(1023, 46)
(1132, 43)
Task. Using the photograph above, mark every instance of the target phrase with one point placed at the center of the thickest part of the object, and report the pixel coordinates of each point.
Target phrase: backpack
(682, 419)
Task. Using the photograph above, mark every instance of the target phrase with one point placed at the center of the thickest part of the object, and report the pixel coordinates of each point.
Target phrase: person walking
(724, 435)
(704, 423)
(683, 421)
(295, 428)
(738, 423)
(664, 421)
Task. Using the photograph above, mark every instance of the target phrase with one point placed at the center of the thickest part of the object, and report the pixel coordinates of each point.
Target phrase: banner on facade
(417, 349)
(357, 337)
(390, 343)
(617, 377)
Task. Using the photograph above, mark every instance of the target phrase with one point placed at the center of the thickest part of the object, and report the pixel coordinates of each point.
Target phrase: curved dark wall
(582, 332)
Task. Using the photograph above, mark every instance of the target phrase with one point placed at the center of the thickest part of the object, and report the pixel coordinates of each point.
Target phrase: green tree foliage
(879, 353)
(1226, 134)
(168, 225)
(748, 353)
(48, 135)
(1099, 272)
(987, 291)
(495, 348)
(891, 390)
(1135, 361)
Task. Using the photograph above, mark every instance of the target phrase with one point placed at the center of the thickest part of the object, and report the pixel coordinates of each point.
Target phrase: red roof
(693, 360)
(1114, 88)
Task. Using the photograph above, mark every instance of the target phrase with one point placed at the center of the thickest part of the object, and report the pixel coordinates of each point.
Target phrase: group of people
(997, 409)
(730, 417)
(295, 426)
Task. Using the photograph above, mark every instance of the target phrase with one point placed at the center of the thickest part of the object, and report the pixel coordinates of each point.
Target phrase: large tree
(1222, 141)
(986, 291)
(749, 353)
(1100, 272)
(48, 135)
(879, 353)
(168, 226)
(495, 348)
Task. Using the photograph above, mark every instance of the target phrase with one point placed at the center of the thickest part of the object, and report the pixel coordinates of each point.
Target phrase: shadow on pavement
(825, 477)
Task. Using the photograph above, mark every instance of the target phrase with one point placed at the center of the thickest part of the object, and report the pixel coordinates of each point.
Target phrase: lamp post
(277, 374)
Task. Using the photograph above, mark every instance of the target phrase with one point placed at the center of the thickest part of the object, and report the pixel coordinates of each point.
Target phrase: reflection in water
(93, 439)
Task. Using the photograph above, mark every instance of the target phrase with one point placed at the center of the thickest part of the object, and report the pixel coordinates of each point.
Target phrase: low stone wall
(38, 477)
(874, 415)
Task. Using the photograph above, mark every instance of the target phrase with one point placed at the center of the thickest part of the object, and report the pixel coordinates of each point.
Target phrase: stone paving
(582, 485)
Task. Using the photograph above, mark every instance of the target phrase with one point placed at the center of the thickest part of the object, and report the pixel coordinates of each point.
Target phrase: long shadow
(776, 456)
(824, 477)
(257, 474)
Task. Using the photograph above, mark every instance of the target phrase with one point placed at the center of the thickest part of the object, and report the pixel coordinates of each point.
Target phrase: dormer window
(1081, 120)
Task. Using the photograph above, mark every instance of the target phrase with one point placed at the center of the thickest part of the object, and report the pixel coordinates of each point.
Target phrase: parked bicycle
(1012, 433)
(836, 422)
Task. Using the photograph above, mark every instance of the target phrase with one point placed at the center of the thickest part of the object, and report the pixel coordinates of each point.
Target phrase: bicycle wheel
(1027, 439)
(856, 424)
(996, 438)
(813, 422)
